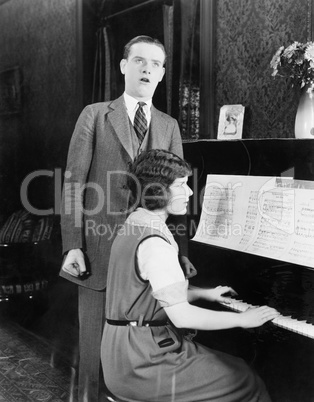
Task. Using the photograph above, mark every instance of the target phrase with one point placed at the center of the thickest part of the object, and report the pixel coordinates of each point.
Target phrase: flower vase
(304, 120)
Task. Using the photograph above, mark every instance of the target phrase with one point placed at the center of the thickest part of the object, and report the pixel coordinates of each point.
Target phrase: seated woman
(145, 356)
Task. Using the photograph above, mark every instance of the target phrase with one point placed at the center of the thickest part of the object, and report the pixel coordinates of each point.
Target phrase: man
(106, 139)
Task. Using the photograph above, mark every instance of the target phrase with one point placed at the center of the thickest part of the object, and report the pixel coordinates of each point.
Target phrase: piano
(281, 351)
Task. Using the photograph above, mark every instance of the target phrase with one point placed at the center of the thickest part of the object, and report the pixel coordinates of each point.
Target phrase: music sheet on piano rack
(267, 216)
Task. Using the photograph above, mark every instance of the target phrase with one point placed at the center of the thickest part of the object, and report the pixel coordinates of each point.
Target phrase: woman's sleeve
(172, 294)
(159, 264)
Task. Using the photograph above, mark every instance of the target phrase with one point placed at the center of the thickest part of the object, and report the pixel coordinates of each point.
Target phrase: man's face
(143, 70)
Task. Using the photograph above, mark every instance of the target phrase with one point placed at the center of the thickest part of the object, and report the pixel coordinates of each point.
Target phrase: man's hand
(188, 267)
(74, 263)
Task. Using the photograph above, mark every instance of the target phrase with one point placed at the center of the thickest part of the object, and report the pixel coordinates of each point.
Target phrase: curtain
(102, 68)
(168, 43)
(189, 88)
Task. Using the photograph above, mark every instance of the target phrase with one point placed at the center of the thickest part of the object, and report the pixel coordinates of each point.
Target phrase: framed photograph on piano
(230, 122)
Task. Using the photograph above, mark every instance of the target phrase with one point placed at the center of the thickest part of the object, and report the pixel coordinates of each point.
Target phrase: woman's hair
(142, 39)
(151, 175)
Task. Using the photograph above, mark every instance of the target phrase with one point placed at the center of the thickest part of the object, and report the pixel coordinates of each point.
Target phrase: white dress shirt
(132, 106)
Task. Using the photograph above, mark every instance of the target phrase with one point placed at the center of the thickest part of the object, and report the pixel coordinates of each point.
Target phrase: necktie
(140, 122)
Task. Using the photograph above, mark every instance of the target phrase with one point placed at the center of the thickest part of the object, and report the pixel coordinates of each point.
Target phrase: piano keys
(287, 322)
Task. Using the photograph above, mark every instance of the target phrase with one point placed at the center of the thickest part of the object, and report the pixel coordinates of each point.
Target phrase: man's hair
(151, 175)
(142, 39)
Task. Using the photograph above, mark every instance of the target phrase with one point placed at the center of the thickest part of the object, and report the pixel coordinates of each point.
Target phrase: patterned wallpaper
(39, 36)
(248, 34)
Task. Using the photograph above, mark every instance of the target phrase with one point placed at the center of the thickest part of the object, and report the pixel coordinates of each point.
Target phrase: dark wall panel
(39, 36)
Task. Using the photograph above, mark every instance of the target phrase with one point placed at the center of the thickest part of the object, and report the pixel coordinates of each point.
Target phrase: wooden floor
(39, 346)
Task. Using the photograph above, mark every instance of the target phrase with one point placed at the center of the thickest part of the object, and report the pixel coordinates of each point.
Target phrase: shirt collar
(131, 103)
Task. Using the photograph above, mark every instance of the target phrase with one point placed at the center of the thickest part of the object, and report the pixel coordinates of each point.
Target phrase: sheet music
(267, 216)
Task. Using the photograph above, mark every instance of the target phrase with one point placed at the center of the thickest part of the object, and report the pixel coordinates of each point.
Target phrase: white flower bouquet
(296, 63)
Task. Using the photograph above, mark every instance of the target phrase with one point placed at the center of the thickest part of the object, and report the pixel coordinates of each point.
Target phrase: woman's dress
(158, 363)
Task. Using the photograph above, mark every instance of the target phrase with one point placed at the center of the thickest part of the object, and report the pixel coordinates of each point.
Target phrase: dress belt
(137, 323)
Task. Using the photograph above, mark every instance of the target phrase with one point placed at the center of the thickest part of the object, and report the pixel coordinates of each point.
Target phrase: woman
(145, 355)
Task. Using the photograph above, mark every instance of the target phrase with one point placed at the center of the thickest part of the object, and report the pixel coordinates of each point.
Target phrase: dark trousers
(91, 305)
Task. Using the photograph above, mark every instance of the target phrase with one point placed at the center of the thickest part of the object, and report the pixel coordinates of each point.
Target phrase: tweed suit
(99, 155)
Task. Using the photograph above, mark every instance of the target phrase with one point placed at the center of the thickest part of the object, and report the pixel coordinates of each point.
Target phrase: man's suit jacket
(99, 156)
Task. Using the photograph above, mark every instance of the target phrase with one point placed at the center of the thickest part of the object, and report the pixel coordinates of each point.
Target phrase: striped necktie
(140, 122)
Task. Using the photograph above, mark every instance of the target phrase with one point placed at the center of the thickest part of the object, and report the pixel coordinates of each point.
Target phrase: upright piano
(283, 357)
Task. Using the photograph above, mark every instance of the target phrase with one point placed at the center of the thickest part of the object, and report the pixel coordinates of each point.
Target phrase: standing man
(105, 141)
